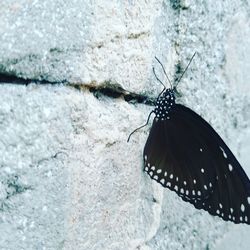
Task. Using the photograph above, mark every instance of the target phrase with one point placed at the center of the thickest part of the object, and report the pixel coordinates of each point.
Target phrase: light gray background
(68, 179)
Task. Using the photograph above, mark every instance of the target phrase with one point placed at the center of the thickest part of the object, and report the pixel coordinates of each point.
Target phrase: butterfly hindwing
(231, 194)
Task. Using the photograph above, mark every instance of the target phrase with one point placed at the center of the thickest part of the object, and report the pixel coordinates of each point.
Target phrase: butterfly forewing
(185, 154)
(171, 151)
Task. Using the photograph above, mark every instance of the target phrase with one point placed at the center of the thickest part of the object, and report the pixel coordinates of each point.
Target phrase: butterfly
(186, 155)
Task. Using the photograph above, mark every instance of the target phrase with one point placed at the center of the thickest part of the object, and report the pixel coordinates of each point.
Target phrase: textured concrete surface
(68, 179)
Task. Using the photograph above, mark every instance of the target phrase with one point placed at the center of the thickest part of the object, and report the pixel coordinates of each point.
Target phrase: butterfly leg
(141, 126)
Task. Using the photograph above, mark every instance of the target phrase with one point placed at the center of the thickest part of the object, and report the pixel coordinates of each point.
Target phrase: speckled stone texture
(68, 178)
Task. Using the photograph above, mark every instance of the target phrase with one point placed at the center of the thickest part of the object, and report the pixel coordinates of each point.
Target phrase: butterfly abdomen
(164, 105)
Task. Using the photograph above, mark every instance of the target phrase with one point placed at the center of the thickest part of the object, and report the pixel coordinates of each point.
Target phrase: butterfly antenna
(164, 72)
(160, 82)
(157, 78)
(185, 69)
(140, 126)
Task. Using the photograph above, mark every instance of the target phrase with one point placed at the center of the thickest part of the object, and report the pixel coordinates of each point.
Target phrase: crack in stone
(107, 88)
(55, 156)
(178, 5)
(114, 90)
(14, 187)
(137, 35)
(13, 79)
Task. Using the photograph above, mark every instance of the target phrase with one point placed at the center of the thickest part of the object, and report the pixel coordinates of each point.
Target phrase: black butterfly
(185, 154)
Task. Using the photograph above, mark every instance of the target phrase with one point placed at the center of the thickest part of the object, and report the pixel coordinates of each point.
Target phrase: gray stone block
(68, 178)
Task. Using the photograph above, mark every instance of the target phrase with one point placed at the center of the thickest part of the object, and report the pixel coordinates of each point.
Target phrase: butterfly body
(185, 154)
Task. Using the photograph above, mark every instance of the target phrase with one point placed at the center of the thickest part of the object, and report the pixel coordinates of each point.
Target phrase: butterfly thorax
(164, 104)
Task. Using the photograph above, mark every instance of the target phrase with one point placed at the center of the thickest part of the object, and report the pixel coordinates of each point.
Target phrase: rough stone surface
(68, 179)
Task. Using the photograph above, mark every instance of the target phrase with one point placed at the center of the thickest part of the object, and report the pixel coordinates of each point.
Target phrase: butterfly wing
(186, 155)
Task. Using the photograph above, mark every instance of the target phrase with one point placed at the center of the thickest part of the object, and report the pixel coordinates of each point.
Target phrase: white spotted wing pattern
(185, 154)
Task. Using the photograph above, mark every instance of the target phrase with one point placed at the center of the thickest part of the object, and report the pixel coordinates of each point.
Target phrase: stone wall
(75, 79)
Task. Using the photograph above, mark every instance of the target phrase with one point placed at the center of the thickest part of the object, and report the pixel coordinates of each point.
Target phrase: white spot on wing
(201, 149)
(151, 173)
(202, 170)
(171, 176)
(165, 174)
(220, 205)
(145, 157)
(230, 167)
(162, 181)
(242, 207)
(194, 181)
(185, 183)
(231, 210)
(153, 168)
(155, 177)
(146, 168)
(205, 187)
(248, 200)
(158, 171)
(224, 154)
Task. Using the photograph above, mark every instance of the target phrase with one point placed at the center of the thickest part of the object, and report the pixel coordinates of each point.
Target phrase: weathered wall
(68, 178)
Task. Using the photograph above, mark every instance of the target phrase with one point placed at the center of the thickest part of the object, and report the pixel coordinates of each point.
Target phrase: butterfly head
(164, 104)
